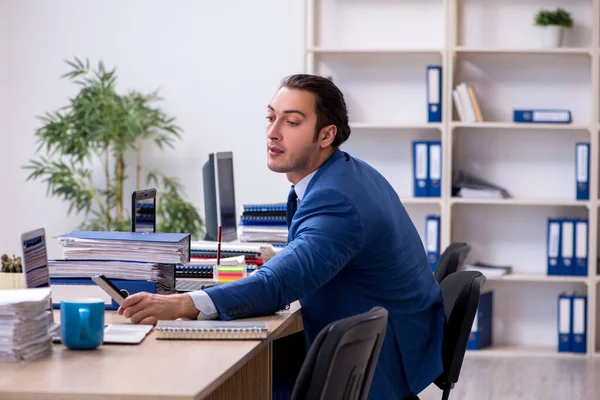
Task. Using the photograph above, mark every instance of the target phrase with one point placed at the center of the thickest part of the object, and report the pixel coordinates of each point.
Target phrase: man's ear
(327, 135)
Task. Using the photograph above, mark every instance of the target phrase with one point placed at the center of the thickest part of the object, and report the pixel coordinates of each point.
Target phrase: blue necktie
(292, 205)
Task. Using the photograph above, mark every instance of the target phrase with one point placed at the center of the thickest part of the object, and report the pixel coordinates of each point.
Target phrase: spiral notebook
(237, 330)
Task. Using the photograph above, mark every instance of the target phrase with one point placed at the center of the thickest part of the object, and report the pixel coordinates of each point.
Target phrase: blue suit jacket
(353, 246)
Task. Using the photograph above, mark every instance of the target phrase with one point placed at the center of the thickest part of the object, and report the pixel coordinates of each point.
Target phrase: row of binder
(567, 246)
(572, 323)
(427, 168)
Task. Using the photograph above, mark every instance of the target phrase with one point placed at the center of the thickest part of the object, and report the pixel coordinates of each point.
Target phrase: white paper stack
(24, 322)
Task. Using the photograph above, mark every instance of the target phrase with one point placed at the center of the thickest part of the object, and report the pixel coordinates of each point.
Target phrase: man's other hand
(148, 308)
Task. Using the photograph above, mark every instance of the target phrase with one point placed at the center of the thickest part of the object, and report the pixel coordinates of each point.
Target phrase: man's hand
(147, 308)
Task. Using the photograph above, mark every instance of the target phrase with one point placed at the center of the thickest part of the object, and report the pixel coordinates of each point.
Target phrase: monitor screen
(219, 197)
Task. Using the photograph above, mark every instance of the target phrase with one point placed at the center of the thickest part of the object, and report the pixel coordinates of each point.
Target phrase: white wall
(217, 67)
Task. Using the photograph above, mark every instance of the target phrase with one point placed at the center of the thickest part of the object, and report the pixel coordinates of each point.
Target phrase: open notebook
(184, 329)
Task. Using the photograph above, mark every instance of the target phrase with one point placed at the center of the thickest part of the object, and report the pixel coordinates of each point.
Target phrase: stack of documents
(206, 248)
(163, 248)
(489, 270)
(162, 274)
(24, 322)
(263, 223)
(468, 186)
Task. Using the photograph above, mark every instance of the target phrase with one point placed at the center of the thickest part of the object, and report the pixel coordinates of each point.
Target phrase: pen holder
(226, 273)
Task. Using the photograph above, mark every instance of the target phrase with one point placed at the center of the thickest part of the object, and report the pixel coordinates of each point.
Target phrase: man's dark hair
(330, 105)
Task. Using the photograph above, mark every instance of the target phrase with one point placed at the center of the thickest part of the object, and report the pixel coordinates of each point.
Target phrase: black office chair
(341, 361)
(461, 291)
(451, 260)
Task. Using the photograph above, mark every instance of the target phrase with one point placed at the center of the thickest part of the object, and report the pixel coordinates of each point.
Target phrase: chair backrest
(451, 260)
(461, 292)
(341, 361)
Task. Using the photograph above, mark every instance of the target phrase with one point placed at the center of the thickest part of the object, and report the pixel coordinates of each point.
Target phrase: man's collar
(301, 186)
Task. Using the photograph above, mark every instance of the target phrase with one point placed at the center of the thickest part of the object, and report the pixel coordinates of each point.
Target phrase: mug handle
(84, 322)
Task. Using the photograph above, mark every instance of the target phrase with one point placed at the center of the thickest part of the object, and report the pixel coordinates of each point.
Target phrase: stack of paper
(24, 322)
(467, 185)
(163, 248)
(163, 274)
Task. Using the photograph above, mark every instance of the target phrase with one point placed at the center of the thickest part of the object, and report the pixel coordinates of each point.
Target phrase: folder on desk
(564, 323)
(553, 247)
(566, 260)
(580, 267)
(481, 331)
(421, 168)
(434, 93)
(435, 169)
(432, 240)
(582, 169)
(579, 326)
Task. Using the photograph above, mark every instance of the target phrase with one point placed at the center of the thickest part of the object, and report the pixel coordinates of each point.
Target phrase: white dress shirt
(202, 300)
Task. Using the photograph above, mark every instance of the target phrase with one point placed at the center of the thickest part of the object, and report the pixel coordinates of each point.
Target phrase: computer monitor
(219, 197)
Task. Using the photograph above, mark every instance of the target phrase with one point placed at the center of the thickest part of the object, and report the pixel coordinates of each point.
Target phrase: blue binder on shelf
(566, 260)
(63, 288)
(421, 168)
(542, 116)
(432, 240)
(481, 331)
(434, 93)
(579, 323)
(582, 171)
(553, 247)
(435, 169)
(565, 321)
(580, 267)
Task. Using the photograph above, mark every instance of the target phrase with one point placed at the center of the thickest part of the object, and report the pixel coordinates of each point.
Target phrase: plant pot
(552, 36)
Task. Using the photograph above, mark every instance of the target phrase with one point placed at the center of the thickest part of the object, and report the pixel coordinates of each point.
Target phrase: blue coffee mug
(82, 323)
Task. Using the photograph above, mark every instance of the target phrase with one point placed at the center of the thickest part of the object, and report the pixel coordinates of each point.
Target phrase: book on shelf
(467, 103)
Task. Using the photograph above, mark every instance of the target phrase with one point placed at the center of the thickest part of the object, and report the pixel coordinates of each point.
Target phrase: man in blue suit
(351, 246)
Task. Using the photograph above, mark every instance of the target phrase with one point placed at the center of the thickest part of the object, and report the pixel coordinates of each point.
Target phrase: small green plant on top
(559, 17)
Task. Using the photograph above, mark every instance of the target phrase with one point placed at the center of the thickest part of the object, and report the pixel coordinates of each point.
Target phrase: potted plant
(552, 25)
(94, 142)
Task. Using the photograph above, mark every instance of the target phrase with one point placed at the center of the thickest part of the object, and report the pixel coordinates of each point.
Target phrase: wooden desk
(154, 369)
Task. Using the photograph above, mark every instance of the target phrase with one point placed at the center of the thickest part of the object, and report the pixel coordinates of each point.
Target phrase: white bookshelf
(376, 51)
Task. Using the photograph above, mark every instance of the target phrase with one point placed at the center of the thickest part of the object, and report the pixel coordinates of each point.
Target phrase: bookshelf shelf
(539, 278)
(421, 200)
(340, 50)
(520, 202)
(394, 126)
(514, 125)
(578, 51)
(524, 351)
(495, 49)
